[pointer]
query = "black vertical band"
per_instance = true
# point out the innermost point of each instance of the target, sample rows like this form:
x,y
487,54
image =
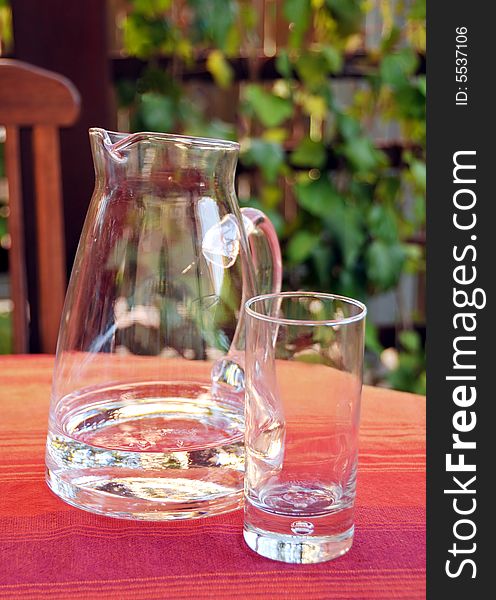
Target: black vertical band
x,y
461,203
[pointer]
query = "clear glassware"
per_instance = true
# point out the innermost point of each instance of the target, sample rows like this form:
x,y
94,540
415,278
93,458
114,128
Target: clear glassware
x,y
304,355
146,418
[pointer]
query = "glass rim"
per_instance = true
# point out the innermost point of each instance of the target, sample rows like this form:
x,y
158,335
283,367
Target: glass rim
x,y
306,322
124,138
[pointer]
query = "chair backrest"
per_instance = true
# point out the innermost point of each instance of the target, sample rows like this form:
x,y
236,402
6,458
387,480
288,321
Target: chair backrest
x,y
44,101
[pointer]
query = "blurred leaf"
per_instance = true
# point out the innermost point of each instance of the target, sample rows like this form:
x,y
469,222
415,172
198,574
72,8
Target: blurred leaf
x,y
372,342
220,69
314,67
419,209
126,92
349,127
154,79
349,284
151,8
334,58
418,171
271,195
384,263
298,13
410,340
312,105
268,156
318,197
248,14
409,375
321,199
362,154
347,14
301,245
397,68
145,37
283,64
422,84
418,10
5,333
3,227
213,20
184,49
388,189
233,41
309,154
382,223
415,258
389,42
270,110
276,134
323,259
411,103
6,34
347,229
157,112
212,129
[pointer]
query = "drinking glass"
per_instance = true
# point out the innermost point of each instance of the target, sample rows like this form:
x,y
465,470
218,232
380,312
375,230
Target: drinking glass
x,y
304,356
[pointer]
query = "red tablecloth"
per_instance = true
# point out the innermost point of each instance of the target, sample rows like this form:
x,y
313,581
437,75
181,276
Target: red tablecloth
x,y
51,550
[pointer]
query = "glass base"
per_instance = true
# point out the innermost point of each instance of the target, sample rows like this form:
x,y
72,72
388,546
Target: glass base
x,y
142,509
149,450
297,549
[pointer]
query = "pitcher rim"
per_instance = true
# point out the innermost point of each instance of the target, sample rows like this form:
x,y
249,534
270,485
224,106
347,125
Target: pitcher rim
x,y
211,143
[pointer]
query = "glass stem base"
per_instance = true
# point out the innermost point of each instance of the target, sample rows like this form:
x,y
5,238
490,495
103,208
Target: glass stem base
x,y
297,549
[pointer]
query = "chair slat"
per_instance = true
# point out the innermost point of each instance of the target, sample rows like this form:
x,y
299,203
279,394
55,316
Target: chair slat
x,y
50,236
17,262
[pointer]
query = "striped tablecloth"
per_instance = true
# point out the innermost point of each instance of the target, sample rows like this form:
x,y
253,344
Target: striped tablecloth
x,y
51,550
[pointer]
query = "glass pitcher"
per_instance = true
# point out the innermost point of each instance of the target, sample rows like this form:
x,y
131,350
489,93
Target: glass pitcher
x,y
146,416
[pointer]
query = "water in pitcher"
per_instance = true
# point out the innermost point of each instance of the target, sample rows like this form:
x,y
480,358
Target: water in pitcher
x,y
121,449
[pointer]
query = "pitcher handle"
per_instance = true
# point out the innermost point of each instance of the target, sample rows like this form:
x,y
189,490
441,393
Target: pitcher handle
x,y
259,227
228,372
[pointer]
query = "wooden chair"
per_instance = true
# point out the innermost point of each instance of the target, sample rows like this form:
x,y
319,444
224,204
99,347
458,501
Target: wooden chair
x,y
44,101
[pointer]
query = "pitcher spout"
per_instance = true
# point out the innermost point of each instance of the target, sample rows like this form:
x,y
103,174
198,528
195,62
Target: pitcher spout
x,y
162,156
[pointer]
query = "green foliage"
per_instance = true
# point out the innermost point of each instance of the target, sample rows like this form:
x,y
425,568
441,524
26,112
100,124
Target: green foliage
x,y
309,154
267,156
213,20
351,231
219,68
269,109
301,245
409,374
298,13
5,333
157,112
145,36
348,15
5,25
384,263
